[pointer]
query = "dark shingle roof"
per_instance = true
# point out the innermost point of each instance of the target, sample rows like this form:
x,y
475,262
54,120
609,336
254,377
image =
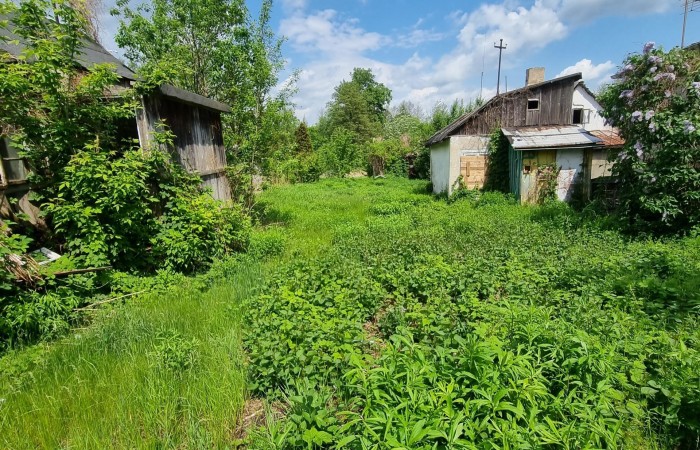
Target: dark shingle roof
x,y
92,53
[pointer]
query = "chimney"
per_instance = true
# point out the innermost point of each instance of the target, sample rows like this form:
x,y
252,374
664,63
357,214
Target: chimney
x,y
534,75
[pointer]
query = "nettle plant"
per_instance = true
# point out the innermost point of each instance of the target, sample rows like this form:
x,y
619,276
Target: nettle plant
x,y
655,103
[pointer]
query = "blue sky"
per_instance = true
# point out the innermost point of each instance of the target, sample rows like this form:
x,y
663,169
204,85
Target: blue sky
x,y
430,51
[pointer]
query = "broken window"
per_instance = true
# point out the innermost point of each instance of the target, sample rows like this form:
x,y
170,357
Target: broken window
x,y
13,169
533,104
578,116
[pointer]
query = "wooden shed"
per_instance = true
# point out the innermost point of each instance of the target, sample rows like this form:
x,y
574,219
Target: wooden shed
x,y
194,120
196,123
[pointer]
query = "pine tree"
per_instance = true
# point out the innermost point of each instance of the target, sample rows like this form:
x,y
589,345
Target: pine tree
x,y
303,140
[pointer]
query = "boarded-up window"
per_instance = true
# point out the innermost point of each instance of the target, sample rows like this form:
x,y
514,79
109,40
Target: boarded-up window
x,y
13,169
473,171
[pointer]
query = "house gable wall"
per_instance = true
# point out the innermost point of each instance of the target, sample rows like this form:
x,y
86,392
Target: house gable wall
x,y
511,110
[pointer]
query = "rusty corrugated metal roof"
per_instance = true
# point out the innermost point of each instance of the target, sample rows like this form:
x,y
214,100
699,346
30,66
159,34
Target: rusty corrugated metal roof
x,y
528,138
610,138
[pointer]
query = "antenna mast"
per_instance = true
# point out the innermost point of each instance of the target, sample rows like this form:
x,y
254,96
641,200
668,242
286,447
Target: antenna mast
x,y
500,48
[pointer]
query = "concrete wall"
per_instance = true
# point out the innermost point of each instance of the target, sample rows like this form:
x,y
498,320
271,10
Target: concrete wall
x,y
592,118
445,158
440,166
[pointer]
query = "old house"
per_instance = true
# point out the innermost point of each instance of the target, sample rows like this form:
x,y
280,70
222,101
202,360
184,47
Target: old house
x,y
552,126
194,120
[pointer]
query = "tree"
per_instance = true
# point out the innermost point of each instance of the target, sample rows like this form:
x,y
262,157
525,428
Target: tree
x,y
303,140
214,48
444,115
49,107
376,94
358,106
655,103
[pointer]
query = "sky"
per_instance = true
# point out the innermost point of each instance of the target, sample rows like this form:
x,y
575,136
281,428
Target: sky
x,y
436,51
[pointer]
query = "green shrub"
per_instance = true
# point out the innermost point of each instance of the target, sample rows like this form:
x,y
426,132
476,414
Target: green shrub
x,y
195,229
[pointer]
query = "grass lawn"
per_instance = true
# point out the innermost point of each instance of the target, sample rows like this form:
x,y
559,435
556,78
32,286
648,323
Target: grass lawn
x,y
370,315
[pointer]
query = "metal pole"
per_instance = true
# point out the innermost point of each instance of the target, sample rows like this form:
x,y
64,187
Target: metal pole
x,y
685,20
500,48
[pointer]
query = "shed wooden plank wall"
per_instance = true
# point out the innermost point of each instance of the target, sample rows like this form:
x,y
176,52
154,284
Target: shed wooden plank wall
x,y
198,142
511,110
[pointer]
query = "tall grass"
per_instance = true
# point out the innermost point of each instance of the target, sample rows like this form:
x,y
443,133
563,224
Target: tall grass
x,y
165,371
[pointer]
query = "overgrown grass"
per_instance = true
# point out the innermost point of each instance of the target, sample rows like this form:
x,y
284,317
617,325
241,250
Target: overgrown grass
x,y
164,371
370,315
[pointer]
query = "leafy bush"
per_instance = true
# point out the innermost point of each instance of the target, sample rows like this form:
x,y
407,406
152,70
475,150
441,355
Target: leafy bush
x,y
477,324
103,207
195,229
654,102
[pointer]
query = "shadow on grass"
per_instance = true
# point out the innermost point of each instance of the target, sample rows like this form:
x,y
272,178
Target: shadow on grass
x,y
266,214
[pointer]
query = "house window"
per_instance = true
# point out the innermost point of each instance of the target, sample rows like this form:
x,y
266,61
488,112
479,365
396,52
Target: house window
x,y
533,104
13,169
579,115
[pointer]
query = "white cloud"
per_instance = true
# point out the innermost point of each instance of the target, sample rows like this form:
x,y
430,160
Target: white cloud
x,y
521,28
417,37
293,5
333,45
325,32
593,74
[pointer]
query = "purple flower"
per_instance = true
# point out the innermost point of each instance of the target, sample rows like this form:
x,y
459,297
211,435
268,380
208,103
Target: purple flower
x,y
665,76
655,59
649,46
668,94
640,150
688,127
653,69
627,94
637,116
649,114
696,86
652,127
671,68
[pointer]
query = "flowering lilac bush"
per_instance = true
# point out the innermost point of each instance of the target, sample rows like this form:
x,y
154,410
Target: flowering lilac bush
x,y
655,103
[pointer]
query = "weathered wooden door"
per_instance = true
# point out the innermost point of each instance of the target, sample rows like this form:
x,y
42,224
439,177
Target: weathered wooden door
x,y
530,181
473,171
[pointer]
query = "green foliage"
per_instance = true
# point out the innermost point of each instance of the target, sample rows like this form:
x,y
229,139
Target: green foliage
x,y
196,229
443,115
303,140
51,108
214,48
341,154
498,168
654,102
547,176
103,206
10,244
435,328
106,208
106,202
359,106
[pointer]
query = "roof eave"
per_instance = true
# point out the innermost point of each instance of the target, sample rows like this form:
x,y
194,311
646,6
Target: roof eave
x,y
191,98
